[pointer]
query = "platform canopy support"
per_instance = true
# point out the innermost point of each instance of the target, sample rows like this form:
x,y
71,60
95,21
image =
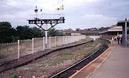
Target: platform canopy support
x,y
125,25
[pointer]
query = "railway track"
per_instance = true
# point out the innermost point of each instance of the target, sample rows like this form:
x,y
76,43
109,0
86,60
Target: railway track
x,y
14,63
78,65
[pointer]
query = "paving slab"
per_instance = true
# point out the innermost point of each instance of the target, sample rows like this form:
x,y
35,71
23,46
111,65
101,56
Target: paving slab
x,y
116,66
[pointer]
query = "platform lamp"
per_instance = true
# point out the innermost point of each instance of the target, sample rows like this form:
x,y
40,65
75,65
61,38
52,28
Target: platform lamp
x,y
40,22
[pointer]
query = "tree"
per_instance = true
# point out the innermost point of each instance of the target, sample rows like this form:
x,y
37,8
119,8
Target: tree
x,y
5,28
78,29
37,32
25,32
10,34
6,32
53,32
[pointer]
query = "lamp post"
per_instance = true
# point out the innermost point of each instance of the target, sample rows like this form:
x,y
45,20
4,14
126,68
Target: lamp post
x,y
41,22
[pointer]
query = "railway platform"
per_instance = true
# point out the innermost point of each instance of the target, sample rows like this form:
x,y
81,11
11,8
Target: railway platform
x,y
111,64
116,66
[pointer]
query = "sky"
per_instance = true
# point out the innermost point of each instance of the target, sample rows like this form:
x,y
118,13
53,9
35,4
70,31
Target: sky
x,y
78,13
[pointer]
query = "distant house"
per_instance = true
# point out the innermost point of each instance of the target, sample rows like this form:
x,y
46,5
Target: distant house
x,y
88,32
75,34
71,32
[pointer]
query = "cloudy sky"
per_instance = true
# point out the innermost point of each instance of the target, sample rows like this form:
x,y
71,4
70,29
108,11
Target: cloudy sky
x,y
78,13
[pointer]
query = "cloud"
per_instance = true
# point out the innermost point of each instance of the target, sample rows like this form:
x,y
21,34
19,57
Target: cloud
x,y
90,20
100,20
78,13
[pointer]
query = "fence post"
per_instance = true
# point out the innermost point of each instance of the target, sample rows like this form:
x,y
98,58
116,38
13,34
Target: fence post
x,y
32,45
55,42
18,54
33,77
58,40
46,39
62,40
48,42
43,43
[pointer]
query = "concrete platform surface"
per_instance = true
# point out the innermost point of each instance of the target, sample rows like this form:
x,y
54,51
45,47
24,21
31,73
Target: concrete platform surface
x,y
116,66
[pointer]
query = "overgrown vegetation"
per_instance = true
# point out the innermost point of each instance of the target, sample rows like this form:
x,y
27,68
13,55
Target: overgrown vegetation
x,y
10,34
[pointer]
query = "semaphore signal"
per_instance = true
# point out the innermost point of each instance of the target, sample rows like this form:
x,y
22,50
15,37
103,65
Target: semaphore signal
x,y
41,22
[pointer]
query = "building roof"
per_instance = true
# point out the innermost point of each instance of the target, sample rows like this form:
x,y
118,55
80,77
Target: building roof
x,y
116,28
122,23
113,29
